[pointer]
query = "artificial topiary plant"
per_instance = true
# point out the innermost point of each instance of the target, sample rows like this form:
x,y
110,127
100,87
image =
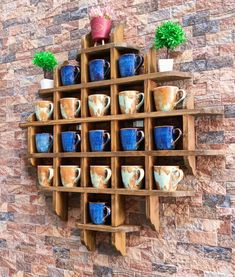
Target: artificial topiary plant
x,y
170,35
45,60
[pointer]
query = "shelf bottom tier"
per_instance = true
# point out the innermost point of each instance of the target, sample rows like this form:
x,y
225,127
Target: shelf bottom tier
x,y
108,228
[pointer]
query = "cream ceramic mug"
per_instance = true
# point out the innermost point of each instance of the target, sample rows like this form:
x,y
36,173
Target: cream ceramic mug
x,y
165,97
45,175
132,176
43,110
70,175
167,177
70,107
100,176
130,101
98,104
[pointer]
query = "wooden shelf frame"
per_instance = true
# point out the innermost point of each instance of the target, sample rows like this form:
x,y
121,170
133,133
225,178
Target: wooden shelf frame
x,y
147,155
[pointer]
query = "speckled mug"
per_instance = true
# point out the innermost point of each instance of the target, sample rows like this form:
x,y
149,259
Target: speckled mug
x,y
132,176
98,104
43,110
130,101
100,176
70,175
45,175
70,107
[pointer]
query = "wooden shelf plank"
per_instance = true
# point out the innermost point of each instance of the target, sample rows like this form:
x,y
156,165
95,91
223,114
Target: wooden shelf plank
x,y
197,112
154,153
108,228
156,76
107,47
121,191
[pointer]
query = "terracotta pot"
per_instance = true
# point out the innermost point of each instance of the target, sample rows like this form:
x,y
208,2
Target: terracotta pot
x,y
100,28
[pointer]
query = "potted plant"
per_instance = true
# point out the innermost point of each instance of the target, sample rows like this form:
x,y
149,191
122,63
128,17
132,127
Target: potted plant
x,y
101,22
46,61
168,35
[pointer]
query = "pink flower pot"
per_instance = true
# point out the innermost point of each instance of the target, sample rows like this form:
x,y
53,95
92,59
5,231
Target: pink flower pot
x,y
100,28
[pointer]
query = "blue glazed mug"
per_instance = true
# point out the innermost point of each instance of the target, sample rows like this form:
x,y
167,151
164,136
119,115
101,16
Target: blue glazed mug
x,y
70,141
69,74
164,137
98,139
44,142
131,138
99,69
98,212
129,64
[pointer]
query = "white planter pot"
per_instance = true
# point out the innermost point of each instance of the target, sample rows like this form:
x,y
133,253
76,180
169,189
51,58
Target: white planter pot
x,y
47,83
165,65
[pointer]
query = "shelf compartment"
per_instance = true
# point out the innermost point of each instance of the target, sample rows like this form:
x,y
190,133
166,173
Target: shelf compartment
x,y
110,229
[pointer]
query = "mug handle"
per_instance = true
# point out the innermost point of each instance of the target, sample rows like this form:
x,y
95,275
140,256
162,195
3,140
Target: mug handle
x,y
140,60
141,137
141,94
78,139
108,138
78,108
107,66
180,134
141,172
51,141
77,68
109,174
184,94
108,103
78,171
51,174
180,176
51,109
108,212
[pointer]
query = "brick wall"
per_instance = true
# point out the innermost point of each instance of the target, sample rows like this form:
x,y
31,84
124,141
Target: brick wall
x,y
197,235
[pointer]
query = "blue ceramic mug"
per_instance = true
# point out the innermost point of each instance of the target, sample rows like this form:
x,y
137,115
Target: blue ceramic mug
x,y
70,141
98,212
44,142
164,137
131,138
99,69
69,74
98,139
129,64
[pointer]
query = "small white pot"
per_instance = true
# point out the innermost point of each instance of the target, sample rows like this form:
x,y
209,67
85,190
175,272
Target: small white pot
x,y
47,83
165,65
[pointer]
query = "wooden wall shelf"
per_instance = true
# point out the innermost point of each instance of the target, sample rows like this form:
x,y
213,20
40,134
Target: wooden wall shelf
x,y
185,153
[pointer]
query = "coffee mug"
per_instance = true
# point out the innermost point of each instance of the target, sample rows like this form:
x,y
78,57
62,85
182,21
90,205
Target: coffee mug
x,y
98,104
129,64
70,175
132,176
99,69
70,107
43,110
45,175
130,101
165,97
98,212
44,142
167,177
164,137
100,176
131,138
69,74
70,141
98,139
